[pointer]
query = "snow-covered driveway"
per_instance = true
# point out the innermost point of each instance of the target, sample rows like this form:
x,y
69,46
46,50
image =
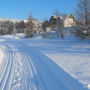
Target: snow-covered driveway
x,y
26,67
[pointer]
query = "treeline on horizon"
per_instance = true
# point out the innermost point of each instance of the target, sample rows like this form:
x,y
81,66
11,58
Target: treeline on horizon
x,y
81,29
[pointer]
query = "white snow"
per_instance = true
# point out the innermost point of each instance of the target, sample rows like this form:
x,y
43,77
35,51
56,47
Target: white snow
x,y
2,40
89,86
73,57
44,64
14,36
1,55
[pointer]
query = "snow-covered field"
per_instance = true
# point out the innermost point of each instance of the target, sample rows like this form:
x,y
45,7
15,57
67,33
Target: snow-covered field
x,y
44,64
1,55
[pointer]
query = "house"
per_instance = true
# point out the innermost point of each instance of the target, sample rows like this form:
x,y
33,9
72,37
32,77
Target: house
x,y
69,21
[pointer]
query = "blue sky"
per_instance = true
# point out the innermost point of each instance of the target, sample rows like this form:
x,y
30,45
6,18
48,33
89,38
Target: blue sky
x,y
41,9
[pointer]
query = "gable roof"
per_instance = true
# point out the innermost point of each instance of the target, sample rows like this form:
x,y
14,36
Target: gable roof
x,y
70,16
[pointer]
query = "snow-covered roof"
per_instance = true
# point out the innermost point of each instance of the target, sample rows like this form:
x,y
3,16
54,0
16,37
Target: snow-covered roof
x,y
7,19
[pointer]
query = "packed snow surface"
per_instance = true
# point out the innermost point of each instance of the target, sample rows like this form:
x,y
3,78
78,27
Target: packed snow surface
x,y
1,54
44,64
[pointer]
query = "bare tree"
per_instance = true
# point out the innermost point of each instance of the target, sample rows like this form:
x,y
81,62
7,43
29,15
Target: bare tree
x,y
45,24
60,27
30,26
57,22
20,26
6,27
83,17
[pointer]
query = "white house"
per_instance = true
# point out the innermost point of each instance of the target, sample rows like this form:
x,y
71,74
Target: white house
x,y
69,21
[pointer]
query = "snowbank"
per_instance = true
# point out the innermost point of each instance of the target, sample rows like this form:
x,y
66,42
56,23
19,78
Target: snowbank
x,y
15,36
74,57
89,86
1,55
2,40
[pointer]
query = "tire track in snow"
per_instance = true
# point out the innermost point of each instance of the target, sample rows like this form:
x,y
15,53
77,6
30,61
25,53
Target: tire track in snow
x,y
6,79
10,71
18,78
36,83
48,77
62,76
32,72
32,77
5,69
48,83
3,66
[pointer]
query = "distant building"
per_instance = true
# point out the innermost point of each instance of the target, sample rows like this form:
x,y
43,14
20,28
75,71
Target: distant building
x,y
55,17
11,20
69,21
7,25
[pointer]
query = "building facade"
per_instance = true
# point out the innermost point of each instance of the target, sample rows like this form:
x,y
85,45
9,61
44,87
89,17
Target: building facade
x,y
69,21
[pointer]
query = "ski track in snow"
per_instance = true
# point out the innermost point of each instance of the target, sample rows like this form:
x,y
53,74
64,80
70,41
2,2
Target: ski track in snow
x,y
26,68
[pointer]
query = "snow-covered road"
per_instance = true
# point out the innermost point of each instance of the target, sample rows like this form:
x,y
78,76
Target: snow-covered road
x,y
26,67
